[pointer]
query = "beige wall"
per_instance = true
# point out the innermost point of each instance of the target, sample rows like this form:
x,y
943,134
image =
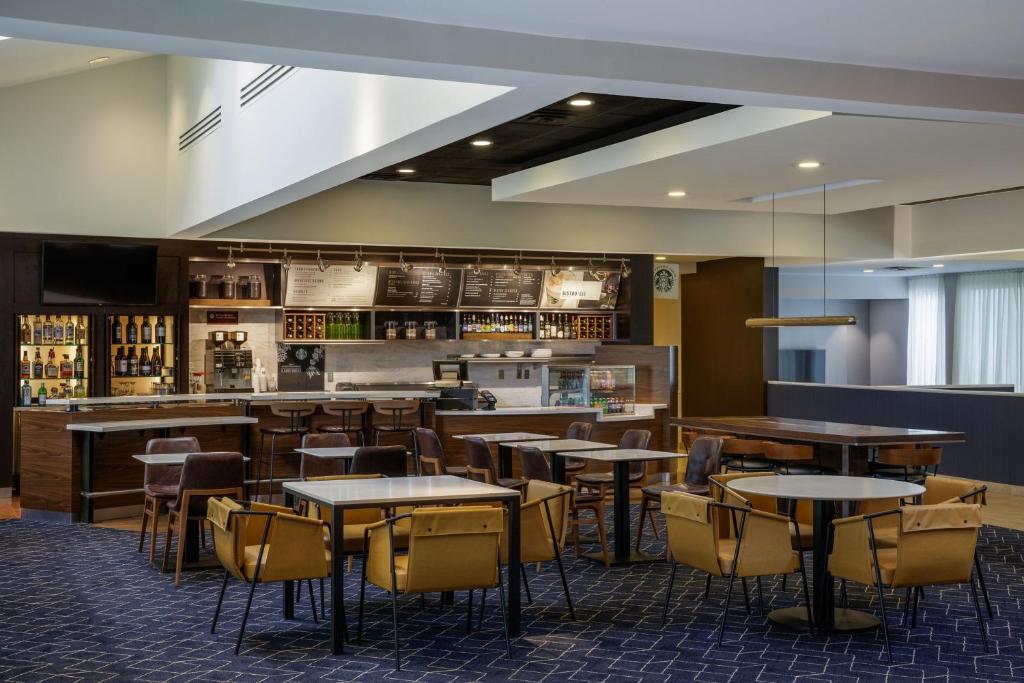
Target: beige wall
x,y
668,328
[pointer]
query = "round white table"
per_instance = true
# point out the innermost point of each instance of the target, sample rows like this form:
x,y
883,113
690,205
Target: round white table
x,y
825,491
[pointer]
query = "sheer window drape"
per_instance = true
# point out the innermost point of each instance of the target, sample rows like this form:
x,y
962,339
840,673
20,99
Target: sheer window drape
x,y
926,334
988,328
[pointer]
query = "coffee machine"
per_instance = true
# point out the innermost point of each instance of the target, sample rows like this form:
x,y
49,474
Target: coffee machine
x,y
228,366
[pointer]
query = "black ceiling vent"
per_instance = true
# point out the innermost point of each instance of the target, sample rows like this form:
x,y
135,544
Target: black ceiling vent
x,y
546,117
199,130
270,77
901,269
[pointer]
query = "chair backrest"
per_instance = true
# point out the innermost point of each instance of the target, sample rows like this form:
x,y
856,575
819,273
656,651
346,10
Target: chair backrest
x,y
640,439
174,444
314,466
352,515
326,440
452,549
743,447
691,525
936,544
910,457
397,407
389,461
688,438
223,472
427,449
535,464
479,461
940,488
345,409
558,505
703,461
721,492
293,409
579,430
787,452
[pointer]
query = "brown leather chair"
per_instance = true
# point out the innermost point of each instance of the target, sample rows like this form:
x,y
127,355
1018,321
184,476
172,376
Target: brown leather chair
x,y
602,481
535,464
581,431
160,485
353,418
745,455
481,465
298,415
703,461
430,456
397,418
203,476
387,461
313,466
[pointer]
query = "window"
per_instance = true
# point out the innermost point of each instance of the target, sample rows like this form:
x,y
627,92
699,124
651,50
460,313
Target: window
x,y
926,334
988,328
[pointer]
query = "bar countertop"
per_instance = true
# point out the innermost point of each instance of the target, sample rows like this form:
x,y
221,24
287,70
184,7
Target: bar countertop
x,y
644,411
265,397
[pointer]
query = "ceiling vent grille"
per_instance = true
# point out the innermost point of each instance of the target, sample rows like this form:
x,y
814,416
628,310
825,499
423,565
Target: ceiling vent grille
x,y
546,117
201,129
903,269
270,77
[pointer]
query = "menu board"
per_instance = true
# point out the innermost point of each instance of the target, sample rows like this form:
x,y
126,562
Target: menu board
x,y
300,367
339,286
577,289
502,288
422,287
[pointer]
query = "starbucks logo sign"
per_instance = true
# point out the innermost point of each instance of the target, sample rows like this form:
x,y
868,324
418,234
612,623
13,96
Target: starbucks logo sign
x,y
666,281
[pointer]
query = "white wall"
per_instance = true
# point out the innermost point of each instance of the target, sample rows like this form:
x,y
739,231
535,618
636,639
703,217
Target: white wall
x,y
847,355
85,153
972,225
888,342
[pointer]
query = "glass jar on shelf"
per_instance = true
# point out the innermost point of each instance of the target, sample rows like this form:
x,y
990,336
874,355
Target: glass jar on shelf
x,y
197,286
430,329
411,329
390,330
227,287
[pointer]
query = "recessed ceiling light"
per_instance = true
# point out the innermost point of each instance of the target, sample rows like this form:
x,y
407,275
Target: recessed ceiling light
x,y
581,102
809,164
661,258
869,270
938,265
407,170
5,37
481,143
676,193
99,60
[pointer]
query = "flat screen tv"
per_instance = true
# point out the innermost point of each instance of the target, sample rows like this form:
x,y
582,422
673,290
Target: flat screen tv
x,y
93,273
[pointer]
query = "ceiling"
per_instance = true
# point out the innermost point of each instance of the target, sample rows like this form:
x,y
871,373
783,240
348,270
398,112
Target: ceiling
x,y
928,35
24,61
913,160
552,132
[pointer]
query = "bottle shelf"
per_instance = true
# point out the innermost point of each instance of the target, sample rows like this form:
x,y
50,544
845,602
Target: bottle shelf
x,y
26,345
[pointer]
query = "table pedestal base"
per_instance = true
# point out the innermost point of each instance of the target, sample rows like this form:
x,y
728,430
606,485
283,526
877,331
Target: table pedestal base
x,y
845,620
632,558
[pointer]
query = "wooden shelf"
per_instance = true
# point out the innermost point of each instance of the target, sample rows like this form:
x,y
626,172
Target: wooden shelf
x,y
497,336
230,303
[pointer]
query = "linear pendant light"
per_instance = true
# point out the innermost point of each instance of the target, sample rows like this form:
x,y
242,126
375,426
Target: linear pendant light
x,y
823,320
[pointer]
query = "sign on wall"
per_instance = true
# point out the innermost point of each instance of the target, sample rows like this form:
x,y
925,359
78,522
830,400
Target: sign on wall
x,y
337,286
577,289
666,281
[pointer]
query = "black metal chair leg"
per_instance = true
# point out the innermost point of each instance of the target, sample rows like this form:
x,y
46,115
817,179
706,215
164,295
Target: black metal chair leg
x,y
259,467
906,607
668,593
469,612
220,600
844,598
504,614
784,582
483,603
807,595
312,602
913,616
977,610
362,600
725,608
526,584
323,613
881,603
394,625
746,595
270,476
707,587
760,597
245,617
981,582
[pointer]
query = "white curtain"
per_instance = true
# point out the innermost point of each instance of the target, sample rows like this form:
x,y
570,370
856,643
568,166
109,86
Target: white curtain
x,y
989,327
926,333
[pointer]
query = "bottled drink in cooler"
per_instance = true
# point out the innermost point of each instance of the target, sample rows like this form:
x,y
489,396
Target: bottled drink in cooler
x,y
116,331
51,365
147,330
79,364
58,331
122,362
132,363
70,334
37,366
161,330
26,366
132,331
26,394
157,361
37,331
145,367
42,395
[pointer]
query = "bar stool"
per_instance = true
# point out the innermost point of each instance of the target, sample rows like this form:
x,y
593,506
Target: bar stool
x,y
160,485
394,414
297,413
353,418
791,458
909,464
745,455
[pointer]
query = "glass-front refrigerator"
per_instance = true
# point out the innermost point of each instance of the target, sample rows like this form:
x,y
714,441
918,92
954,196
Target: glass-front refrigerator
x,y
612,388
142,354
53,357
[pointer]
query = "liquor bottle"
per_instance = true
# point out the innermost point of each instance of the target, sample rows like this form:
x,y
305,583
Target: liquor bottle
x,y
26,366
145,367
116,331
79,391
37,330
47,331
133,362
41,400
79,331
529,323
540,328
37,366
67,368
122,363
69,332
161,330
26,331
158,364
79,364
147,330
132,330
26,394
561,327
58,332
51,365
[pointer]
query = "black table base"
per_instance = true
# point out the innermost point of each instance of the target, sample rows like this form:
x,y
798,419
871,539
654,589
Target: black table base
x,y
843,620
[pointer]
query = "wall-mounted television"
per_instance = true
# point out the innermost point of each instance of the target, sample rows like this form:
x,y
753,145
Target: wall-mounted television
x,y
93,273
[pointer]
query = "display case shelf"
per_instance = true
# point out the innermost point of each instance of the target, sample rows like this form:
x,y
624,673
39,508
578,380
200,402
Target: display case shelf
x,y
610,388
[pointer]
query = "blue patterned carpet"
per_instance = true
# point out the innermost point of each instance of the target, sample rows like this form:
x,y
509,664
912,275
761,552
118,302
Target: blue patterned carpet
x,y
79,604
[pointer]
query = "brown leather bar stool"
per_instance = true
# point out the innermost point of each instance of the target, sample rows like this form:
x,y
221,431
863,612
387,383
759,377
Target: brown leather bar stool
x,y
702,461
481,465
791,458
581,431
160,484
394,415
745,455
906,463
387,461
430,456
602,481
353,418
297,414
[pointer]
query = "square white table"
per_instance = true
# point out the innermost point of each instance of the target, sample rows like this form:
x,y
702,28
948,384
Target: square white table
x,y
346,453
621,459
167,458
555,447
505,452
341,495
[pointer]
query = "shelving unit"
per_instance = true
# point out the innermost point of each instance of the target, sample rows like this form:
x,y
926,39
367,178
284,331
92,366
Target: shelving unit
x,y
122,380
69,376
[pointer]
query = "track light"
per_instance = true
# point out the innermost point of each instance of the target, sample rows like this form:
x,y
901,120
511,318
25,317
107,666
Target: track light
x,y
321,263
442,268
555,270
286,261
476,266
358,264
403,264
231,258
591,271
626,270
517,268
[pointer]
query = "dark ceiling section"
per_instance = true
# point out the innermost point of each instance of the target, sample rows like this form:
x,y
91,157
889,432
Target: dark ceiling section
x,y
557,131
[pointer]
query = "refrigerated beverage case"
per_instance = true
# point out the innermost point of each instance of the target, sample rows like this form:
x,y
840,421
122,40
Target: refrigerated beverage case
x,y
116,331
145,367
132,331
79,364
26,394
161,331
133,363
26,366
37,366
147,331
47,331
58,331
67,368
51,365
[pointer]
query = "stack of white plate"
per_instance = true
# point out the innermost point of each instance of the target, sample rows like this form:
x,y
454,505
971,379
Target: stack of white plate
x,y
490,355
515,354
540,353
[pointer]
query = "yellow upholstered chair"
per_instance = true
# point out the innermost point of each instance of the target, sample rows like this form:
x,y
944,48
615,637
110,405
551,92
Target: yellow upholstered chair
x,y
262,544
761,545
935,545
450,549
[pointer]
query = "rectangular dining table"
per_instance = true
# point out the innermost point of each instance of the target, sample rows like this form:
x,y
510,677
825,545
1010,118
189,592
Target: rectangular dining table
x,y
504,451
556,447
341,495
346,453
845,435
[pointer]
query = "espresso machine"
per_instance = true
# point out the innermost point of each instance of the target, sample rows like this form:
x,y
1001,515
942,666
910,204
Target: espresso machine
x,y
228,366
